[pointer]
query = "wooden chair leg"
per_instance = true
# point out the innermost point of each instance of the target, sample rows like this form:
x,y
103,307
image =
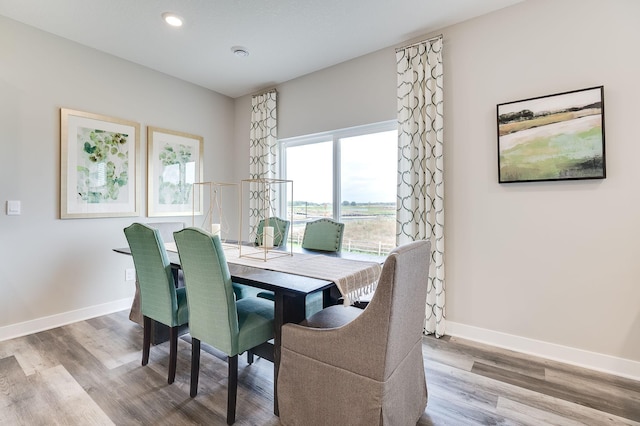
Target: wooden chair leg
x,y
249,357
146,340
232,389
173,353
195,366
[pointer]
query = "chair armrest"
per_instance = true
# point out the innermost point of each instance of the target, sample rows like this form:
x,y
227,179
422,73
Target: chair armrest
x,y
355,346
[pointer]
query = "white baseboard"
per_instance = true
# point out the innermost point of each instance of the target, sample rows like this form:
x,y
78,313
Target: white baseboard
x,y
53,321
579,357
592,360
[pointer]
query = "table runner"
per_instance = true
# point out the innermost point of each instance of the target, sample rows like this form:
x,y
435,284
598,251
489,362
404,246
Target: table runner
x,y
354,278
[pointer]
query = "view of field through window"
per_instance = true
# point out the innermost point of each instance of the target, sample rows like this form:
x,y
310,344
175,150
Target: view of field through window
x,y
366,189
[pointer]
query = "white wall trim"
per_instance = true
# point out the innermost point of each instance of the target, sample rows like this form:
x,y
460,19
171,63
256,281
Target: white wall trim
x,y
578,357
592,360
53,321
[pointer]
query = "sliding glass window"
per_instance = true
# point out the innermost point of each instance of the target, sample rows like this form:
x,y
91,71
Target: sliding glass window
x,y
349,175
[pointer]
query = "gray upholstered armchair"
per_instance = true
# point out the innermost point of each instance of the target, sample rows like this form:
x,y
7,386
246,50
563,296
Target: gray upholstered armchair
x,y
349,366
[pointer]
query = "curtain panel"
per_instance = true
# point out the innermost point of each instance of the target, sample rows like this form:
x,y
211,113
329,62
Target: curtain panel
x,y
420,201
263,149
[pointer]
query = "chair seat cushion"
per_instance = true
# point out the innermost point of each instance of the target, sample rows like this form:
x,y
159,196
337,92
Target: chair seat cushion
x,y
266,294
313,302
255,322
332,316
243,290
182,316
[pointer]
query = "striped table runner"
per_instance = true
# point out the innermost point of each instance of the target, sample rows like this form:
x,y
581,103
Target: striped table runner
x,y
354,278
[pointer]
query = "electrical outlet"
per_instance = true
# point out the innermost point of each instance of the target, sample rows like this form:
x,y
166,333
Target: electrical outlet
x,y
129,274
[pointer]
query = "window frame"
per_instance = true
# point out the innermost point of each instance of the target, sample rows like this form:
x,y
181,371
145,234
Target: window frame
x,y
333,136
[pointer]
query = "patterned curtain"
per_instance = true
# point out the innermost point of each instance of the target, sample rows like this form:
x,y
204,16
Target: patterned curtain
x,y
263,159
420,208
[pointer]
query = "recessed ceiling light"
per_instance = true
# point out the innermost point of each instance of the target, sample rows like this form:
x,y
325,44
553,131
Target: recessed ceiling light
x,y
240,51
172,19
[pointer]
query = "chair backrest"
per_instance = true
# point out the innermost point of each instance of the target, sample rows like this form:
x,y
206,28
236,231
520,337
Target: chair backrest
x,y
323,234
153,269
395,316
280,231
213,317
167,229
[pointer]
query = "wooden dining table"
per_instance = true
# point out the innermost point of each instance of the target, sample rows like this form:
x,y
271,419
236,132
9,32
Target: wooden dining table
x,y
290,291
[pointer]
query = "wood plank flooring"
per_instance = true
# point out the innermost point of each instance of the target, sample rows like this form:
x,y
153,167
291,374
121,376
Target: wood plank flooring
x,y
89,373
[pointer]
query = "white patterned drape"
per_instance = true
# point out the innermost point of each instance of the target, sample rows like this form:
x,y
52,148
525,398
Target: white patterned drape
x,y
420,208
263,149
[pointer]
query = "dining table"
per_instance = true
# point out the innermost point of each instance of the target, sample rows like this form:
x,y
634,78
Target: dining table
x,y
286,275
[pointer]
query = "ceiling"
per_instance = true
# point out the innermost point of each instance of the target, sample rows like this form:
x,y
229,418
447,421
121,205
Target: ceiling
x,y
285,38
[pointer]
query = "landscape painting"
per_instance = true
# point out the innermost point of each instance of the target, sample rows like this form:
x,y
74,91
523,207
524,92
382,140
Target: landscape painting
x,y
554,137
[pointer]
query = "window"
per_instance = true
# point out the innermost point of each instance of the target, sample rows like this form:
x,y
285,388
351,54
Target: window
x,y
349,175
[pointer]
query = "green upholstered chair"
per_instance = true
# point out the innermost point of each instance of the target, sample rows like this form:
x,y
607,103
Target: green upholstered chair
x,y
159,298
321,235
313,301
166,230
215,316
280,231
241,291
324,235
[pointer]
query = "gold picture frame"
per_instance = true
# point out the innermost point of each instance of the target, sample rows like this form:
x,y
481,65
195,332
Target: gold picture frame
x,y
99,166
174,163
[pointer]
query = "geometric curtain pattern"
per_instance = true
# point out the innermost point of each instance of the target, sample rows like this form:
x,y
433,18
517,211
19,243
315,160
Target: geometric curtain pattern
x,y
420,199
263,159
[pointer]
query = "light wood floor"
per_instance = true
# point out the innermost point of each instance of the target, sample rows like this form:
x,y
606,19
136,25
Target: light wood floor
x,y
89,373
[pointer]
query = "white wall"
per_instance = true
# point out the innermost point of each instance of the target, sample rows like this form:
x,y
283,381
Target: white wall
x,y
59,270
553,261
541,267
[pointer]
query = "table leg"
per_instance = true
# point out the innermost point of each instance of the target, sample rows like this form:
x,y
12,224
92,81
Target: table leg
x,y
287,309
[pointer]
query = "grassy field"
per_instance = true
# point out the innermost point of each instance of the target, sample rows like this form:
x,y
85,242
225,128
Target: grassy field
x,y
553,157
368,227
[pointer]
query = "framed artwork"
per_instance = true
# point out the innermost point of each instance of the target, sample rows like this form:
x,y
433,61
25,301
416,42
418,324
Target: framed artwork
x,y
174,165
554,137
99,166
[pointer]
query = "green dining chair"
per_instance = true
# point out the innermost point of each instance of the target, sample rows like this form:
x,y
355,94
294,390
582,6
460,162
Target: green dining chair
x,y
160,300
280,231
314,301
215,316
323,234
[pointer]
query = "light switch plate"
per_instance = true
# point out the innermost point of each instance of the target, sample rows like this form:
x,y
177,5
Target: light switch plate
x,y
13,208
129,274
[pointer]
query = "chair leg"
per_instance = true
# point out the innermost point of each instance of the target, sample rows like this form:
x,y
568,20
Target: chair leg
x,y
173,353
146,340
195,366
233,389
249,357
